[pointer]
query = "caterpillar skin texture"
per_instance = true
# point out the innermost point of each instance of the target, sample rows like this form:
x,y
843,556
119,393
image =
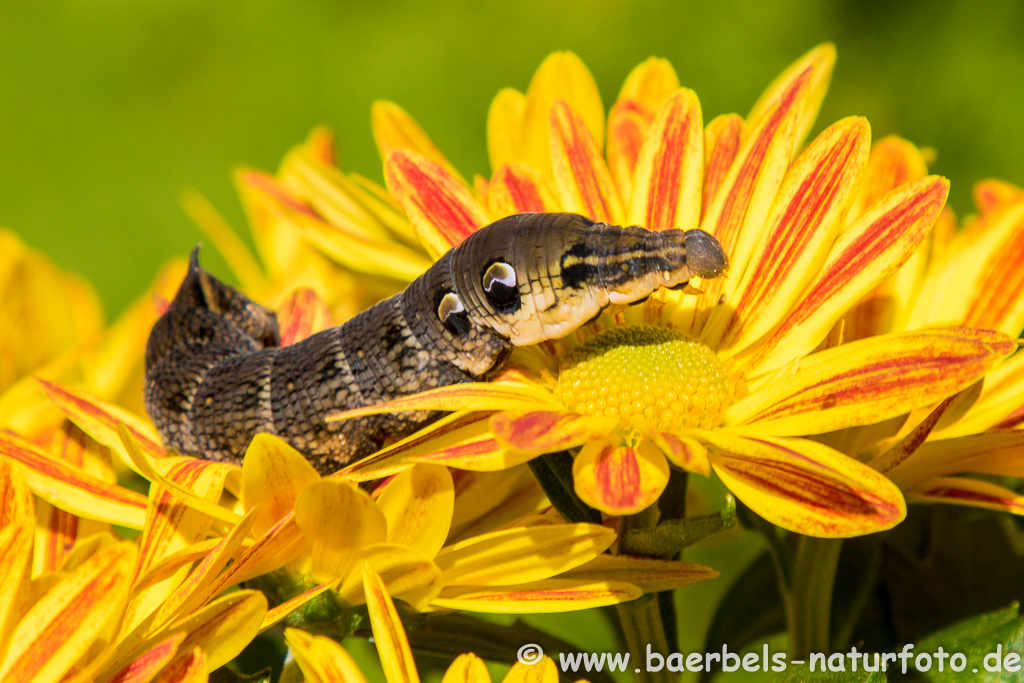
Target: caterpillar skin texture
x,y
216,374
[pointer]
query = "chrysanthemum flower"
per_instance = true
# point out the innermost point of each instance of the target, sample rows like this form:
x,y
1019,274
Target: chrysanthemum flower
x,y
730,380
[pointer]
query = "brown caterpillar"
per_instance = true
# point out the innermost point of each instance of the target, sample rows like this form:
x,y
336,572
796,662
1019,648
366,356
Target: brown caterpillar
x,y
216,375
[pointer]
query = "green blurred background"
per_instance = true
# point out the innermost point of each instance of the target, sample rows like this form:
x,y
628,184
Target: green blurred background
x,y
108,110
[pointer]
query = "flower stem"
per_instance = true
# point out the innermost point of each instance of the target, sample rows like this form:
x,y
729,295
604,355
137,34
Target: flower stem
x,y
809,598
641,618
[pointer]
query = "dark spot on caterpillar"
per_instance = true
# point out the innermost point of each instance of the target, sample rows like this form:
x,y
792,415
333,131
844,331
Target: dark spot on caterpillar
x,y
501,287
575,270
453,314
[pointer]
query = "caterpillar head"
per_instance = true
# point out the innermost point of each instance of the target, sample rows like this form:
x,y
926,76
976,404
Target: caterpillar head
x,y
534,277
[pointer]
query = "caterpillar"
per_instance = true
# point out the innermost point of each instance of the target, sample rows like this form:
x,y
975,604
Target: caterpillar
x,y
216,374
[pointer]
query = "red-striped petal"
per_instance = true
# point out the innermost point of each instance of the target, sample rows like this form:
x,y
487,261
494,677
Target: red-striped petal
x,y
443,211
581,175
669,171
518,188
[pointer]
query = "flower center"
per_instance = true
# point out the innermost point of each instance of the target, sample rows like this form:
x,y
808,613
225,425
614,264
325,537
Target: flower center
x,y
653,374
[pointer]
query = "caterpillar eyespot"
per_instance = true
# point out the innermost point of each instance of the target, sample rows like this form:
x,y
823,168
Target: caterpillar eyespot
x,y
501,287
216,375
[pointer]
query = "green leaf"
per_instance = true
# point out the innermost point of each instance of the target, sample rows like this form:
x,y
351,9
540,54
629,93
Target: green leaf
x,y
991,643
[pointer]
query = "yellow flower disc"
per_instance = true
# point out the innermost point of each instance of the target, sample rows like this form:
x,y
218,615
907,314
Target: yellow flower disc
x,y
652,374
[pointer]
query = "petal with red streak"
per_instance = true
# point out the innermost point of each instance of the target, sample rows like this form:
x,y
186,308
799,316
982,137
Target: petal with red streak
x,y
798,233
992,194
472,396
979,283
620,480
994,453
561,76
61,627
805,486
442,209
321,659
650,574
869,381
304,313
552,595
518,188
722,140
893,162
1000,403
820,61
646,87
72,489
870,251
670,168
393,129
581,176
737,215
388,633
144,667
545,431
969,492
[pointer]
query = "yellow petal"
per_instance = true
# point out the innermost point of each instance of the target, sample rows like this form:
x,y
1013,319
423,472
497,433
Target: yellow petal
x,y
820,61
561,76
581,176
224,627
803,223
867,253
869,381
992,194
418,506
505,128
620,480
72,489
543,671
59,629
441,208
805,486
408,574
667,181
471,396
273,476
321,659
171,525
388,634
337,520
893,162
522,554
468,668
552,595
687,454
394,129
650,574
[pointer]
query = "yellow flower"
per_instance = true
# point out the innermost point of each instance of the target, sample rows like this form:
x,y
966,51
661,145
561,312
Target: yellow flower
x,y
731,380
323,660
962,277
